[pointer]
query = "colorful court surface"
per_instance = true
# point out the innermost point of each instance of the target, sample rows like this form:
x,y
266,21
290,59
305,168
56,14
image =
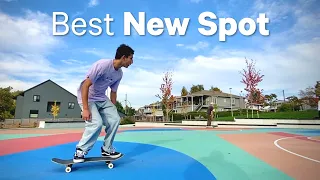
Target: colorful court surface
x,y
166,153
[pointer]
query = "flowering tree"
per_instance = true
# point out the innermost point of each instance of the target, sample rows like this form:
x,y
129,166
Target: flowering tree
x,y
165,90
55,110
251,78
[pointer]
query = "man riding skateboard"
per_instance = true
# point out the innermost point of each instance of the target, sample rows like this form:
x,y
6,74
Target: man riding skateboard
x,y
97,109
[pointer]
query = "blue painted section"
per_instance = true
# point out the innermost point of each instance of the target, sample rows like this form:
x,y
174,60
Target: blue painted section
x,y
141,161
307,132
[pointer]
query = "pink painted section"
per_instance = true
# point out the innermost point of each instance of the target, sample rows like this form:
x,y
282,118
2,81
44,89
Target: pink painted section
x,y
11,146
283,134
297,136
25,144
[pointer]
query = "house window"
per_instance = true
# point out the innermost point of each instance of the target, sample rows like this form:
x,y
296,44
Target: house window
x,y
36,98
50,104
34,113
71,105
215,100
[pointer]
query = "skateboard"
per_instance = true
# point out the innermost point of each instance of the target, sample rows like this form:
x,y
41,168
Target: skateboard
x,y
69,162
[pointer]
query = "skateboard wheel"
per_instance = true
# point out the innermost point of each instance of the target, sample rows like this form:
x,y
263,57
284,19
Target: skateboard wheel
x,y
68,169
110,165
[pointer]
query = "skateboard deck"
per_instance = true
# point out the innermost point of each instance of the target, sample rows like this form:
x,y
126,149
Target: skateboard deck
x,y
69,162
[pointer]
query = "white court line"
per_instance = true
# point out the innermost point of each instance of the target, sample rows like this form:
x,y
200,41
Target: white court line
x,y
276,143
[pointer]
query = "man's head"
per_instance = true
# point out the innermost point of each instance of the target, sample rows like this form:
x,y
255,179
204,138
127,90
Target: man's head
x,y
125,55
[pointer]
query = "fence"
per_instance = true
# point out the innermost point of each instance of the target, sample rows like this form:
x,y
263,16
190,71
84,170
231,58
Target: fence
x,y
31,123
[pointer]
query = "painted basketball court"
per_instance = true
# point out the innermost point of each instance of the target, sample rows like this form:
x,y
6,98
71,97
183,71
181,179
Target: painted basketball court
x,y
167,153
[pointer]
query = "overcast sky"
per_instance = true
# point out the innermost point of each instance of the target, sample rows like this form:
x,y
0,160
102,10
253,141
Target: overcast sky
x,y
288,57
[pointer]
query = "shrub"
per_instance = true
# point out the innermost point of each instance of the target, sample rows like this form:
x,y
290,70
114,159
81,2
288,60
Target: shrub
x,y
127,120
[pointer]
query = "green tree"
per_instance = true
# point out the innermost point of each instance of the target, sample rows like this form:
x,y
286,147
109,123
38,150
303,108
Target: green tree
x,y
184,91
317,89
309,96
196,88
295,103
7,104
130,111
216,89
270,99
119,107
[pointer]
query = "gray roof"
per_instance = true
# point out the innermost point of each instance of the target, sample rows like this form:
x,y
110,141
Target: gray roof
x,y
212,93
49,80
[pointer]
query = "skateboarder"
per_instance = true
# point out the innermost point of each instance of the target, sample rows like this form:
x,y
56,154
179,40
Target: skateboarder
x,y
97,108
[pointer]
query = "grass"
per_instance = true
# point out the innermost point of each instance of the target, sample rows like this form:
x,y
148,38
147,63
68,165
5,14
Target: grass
x,y
300,115
284,115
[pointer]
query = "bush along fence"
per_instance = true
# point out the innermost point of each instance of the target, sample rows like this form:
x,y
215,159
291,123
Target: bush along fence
x,y
242,114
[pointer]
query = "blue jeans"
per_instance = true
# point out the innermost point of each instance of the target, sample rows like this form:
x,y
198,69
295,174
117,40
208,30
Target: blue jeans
x,y
103,113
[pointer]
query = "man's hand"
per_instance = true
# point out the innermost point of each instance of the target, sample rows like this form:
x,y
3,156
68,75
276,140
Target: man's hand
x,y
86,115
113,97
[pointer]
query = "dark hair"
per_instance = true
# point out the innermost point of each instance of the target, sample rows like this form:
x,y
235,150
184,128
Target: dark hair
x,y
125,50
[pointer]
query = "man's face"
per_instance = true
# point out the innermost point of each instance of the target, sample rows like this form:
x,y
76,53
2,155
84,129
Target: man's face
x,y
128,61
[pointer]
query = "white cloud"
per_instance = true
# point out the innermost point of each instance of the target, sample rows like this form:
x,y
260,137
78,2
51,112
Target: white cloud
x,y
275,10
223,14
97,52
195,1
93,3
30,34
195,47
73,61
9,0
290,67
25,43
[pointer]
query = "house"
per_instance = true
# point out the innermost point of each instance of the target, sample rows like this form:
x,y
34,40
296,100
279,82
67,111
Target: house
x,y
152,112
37,101
200,101
193,102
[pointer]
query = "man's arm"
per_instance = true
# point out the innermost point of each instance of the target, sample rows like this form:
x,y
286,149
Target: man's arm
x,y
84,93
113,97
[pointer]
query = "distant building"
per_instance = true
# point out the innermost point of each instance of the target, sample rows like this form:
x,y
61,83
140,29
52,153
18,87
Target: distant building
x,y
200,101
37,101
193,102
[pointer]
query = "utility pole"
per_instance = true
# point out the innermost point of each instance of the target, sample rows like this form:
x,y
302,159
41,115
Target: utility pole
x,y
125,106
240,102
231,102
284,98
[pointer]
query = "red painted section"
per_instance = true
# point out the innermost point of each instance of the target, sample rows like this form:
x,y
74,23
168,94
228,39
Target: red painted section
x,y
11,146
297,136
283,134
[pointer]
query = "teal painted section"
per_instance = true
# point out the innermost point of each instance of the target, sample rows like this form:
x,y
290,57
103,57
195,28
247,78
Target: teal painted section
x,y
223,159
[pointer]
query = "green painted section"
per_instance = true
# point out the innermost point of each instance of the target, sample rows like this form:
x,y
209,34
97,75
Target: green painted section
x,y
16,136
223,159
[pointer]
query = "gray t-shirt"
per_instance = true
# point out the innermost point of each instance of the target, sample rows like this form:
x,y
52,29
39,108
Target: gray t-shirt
x,y
102,75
